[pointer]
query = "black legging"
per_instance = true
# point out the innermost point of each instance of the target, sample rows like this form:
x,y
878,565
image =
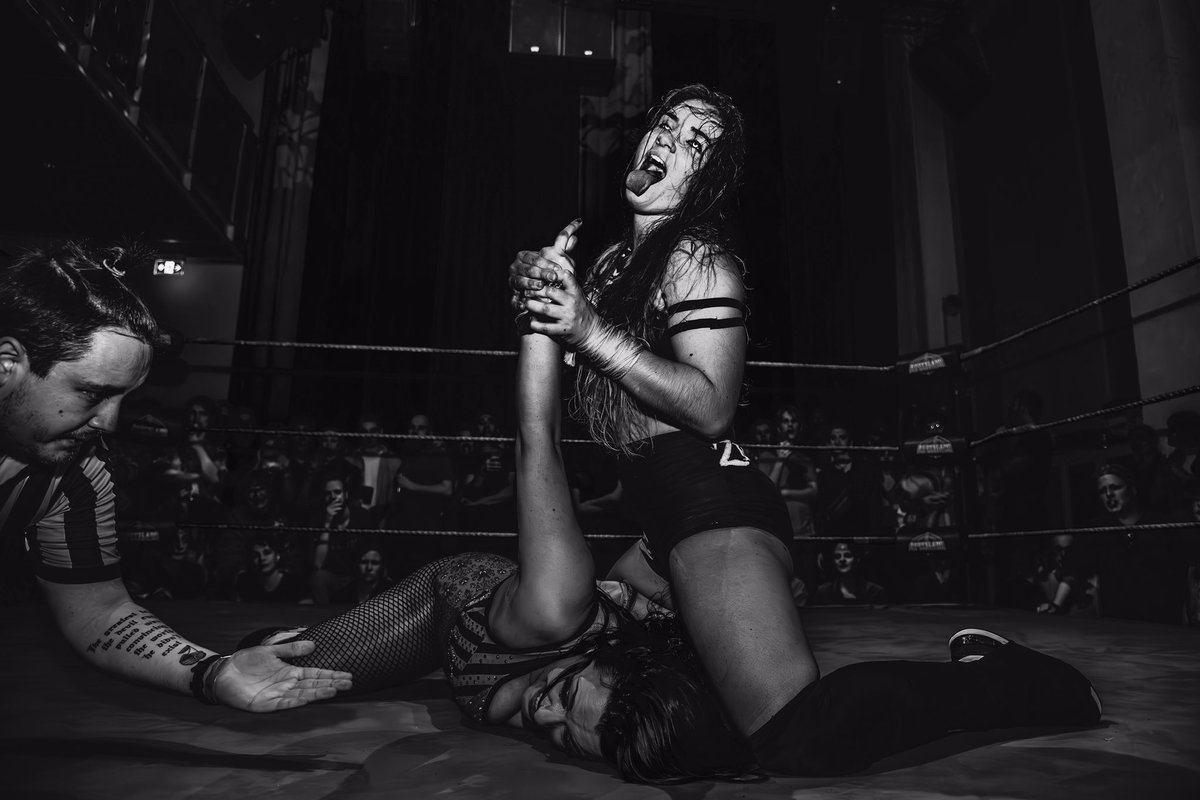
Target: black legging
x,y
863,712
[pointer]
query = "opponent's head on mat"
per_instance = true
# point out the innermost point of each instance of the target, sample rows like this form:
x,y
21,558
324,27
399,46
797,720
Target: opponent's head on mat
x,y
638,700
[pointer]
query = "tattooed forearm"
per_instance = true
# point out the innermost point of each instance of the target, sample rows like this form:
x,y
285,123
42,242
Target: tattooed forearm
x,y
140,633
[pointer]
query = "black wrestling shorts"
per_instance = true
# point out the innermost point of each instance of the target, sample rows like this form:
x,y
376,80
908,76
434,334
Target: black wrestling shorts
x,y
677,485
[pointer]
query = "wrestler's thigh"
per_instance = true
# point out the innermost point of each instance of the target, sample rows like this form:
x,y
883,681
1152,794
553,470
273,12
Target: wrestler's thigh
x,y
732,591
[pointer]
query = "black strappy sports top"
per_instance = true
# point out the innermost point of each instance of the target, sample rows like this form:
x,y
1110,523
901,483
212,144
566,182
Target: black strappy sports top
x,y
662,346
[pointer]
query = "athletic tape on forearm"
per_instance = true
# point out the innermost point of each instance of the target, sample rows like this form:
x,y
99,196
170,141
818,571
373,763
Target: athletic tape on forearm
x,y
611,351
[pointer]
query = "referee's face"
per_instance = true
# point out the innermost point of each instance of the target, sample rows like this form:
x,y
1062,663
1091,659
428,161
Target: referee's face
x,y
50,420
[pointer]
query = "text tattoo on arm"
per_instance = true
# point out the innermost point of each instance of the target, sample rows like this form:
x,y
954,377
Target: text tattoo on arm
x,y
140,633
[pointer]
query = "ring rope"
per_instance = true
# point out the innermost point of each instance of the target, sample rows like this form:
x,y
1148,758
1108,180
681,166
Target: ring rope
x,y
968,354
976,351
384,348
510,439
361,435
824,448
227,526
369,348
1139,528
830,367
1087,415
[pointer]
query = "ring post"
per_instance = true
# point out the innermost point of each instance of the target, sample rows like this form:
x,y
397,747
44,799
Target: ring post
x,y
933,424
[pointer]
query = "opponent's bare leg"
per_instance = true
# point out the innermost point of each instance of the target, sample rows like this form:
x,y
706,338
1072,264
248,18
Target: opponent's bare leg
x,y
733,594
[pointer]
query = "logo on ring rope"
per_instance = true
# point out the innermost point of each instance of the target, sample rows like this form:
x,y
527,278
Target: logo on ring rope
x,y
927,542
935,446
927,362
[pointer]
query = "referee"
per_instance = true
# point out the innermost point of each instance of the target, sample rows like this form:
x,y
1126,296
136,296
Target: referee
x,y
74,341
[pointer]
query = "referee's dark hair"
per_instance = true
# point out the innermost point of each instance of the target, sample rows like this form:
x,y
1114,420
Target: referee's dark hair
x,y
53,300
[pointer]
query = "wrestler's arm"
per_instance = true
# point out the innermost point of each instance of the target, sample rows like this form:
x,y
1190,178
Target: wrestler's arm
x,y
553,593
699,388
102,623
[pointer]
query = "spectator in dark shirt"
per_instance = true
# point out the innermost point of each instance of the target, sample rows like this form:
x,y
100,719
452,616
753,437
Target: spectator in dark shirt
x,y
1140,573
182,575
258,504
793,471
207,456
1183,436
847,583
375,463
1022,474
1151,472
1066,574
487,494
850,491
425,480
265,581
372,577
421,500
938,580
334,555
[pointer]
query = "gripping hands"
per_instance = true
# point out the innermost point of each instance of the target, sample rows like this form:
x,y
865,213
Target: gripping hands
x,y
546,293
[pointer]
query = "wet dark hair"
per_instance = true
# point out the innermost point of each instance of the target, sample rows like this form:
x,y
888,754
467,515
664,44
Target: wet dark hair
x,y
663,723
52,301
624,294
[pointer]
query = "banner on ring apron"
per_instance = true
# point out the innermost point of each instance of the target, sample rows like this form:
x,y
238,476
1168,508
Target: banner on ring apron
x,y
916,541
932,397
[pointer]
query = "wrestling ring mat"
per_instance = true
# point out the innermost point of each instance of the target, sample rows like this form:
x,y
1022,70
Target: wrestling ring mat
x,y
69,731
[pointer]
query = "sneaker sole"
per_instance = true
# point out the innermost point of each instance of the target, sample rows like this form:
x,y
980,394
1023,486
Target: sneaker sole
x,y
981,633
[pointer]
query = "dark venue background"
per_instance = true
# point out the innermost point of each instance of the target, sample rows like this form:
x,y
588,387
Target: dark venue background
x,y
921,172
428,182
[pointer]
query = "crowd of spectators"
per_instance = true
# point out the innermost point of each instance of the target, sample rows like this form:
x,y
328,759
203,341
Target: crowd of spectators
x,y
199,510
290,515
870,528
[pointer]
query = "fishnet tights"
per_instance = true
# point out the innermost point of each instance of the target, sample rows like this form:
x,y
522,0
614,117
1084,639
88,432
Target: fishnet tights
x,y
398,636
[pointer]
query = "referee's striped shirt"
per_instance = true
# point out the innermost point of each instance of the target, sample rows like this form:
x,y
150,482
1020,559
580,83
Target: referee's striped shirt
x,y
66,514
